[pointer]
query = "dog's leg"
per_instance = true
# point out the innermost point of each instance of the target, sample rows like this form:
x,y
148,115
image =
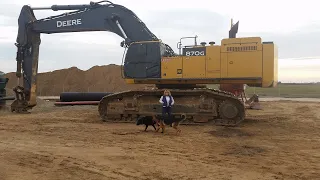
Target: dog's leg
x,y
175,126
178,130
158,128
154,127
163,127
146,128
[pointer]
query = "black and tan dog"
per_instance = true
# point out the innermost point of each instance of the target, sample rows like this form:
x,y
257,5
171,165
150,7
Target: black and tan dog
x,y
170,121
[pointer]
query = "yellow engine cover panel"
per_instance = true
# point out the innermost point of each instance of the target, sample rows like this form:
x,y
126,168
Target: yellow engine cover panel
x,y
194,67
241,57
244,64
171,67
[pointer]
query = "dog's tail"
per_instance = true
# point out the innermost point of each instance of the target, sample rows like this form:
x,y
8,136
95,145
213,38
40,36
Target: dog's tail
x,y
183,117
139,121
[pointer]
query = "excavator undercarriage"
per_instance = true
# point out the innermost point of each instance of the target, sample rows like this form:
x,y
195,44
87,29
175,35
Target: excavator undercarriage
x,y
201,105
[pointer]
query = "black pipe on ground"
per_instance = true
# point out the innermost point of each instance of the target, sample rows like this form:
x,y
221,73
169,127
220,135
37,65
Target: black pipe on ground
x,y
82,96
7,98
77,103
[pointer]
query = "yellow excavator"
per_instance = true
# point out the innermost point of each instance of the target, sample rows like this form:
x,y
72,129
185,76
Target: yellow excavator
x,y
147,60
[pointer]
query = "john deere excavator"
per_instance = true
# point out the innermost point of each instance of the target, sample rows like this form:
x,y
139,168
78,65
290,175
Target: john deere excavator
x,y
148,60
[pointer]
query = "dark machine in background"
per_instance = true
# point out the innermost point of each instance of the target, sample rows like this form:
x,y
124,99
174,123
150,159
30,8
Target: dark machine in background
x,y
3,92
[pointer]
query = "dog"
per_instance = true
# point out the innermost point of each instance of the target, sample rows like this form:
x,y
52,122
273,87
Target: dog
x,y
172,121
148,121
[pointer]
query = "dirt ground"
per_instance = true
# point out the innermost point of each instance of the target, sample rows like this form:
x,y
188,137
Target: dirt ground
x,y
280,142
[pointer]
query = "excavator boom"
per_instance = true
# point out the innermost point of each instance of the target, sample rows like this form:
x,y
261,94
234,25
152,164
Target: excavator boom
x,y
101,16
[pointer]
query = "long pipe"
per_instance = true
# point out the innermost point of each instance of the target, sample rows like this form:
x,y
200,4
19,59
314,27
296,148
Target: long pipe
x,y
76,103
7,98
82,96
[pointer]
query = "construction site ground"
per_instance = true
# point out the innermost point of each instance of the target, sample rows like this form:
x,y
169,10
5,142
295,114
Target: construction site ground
x,y
280,142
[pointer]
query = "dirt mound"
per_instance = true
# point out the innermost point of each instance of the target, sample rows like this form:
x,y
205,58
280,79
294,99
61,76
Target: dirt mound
x,y
96,79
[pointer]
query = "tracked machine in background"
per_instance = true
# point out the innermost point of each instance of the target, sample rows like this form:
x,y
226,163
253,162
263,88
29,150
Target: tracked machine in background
x,y
3,92
148,60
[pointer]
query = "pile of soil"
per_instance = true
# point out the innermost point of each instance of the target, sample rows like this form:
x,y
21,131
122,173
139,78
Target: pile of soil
x,y
96,79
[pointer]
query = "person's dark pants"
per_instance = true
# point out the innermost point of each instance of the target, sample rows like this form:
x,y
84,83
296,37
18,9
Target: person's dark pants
x,y
166,111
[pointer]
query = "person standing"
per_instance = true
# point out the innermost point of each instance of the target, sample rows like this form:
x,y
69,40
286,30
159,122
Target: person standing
x,y
167,101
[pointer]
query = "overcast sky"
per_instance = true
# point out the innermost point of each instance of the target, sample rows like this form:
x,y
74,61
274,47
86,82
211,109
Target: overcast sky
x,y
293,25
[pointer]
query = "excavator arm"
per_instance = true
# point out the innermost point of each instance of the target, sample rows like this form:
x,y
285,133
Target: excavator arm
x,y
96,16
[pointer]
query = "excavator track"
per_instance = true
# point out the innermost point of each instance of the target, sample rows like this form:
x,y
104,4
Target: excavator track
x,y
201,106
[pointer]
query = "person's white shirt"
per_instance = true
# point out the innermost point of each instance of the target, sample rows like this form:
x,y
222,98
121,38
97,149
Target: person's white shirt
x,y
167,99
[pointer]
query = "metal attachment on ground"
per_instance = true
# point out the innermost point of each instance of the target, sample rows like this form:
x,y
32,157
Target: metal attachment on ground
x,y
20,105
254,103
